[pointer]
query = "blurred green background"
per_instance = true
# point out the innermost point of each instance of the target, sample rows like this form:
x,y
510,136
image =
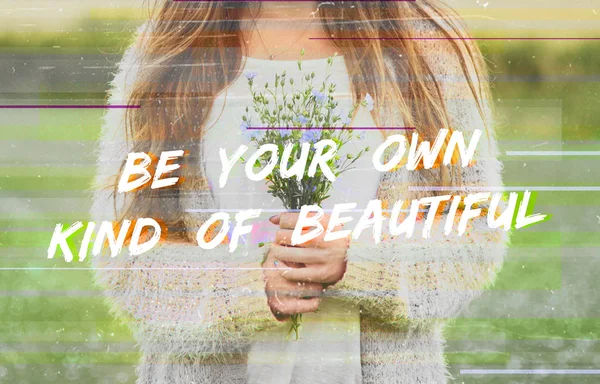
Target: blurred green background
x,y
542,313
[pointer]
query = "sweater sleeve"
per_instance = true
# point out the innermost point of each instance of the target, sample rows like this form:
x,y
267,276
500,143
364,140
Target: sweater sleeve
x,y
177,298
418,279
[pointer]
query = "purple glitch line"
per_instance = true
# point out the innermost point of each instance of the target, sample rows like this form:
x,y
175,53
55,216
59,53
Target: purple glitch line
x,y
333,128
459,38
49,106
289,1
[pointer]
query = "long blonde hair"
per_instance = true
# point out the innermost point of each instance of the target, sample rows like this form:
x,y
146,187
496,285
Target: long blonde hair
x,y
190,51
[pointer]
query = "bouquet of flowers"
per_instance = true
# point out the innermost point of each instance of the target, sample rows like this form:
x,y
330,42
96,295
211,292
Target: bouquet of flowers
x,y
295,114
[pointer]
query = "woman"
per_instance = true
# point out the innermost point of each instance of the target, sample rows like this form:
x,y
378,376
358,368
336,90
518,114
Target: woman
x,y
374,311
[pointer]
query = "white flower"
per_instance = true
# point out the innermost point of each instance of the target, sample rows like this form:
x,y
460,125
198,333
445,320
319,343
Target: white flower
x,y
369,102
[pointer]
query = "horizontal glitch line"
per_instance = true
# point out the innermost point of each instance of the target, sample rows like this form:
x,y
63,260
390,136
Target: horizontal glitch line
x,y
291,1
331,128
280,211
53,293
70,106
461,38
530,371
508,189
136,268
552,153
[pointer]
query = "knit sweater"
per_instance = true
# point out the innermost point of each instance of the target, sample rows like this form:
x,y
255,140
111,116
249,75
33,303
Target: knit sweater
x,y
194,313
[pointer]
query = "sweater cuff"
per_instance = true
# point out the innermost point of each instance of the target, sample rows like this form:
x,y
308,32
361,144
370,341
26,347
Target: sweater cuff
x,y
372,280
247,310
181,300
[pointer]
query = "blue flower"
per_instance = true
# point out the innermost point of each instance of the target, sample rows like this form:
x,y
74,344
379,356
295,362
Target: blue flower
x,y
319,96
284,132
344,118
370,103
302,119
249,134
250,75
311,136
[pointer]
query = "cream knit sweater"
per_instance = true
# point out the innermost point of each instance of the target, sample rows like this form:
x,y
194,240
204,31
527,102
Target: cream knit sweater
x,y
195,325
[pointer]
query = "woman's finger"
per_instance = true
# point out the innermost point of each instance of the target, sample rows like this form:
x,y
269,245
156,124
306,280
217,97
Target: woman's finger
x,y
293,306
284,237
303,293
282,287
317,273
273,262
299,255
288,220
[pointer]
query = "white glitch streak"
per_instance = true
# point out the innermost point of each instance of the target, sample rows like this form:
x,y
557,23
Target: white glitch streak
x,y
552,153
530,371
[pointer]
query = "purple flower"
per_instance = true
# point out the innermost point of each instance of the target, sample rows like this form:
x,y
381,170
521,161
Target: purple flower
x,y
284,132
311,136
319,96
250,75
370,103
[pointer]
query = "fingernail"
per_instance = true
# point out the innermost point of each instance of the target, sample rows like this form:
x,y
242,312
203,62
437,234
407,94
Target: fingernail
x,y
274,219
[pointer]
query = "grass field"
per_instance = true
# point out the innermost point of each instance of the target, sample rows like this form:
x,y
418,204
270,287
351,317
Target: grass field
x,y
542,313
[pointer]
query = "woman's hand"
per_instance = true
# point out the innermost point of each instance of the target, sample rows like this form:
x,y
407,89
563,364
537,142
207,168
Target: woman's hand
x,y
287,297
323,262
